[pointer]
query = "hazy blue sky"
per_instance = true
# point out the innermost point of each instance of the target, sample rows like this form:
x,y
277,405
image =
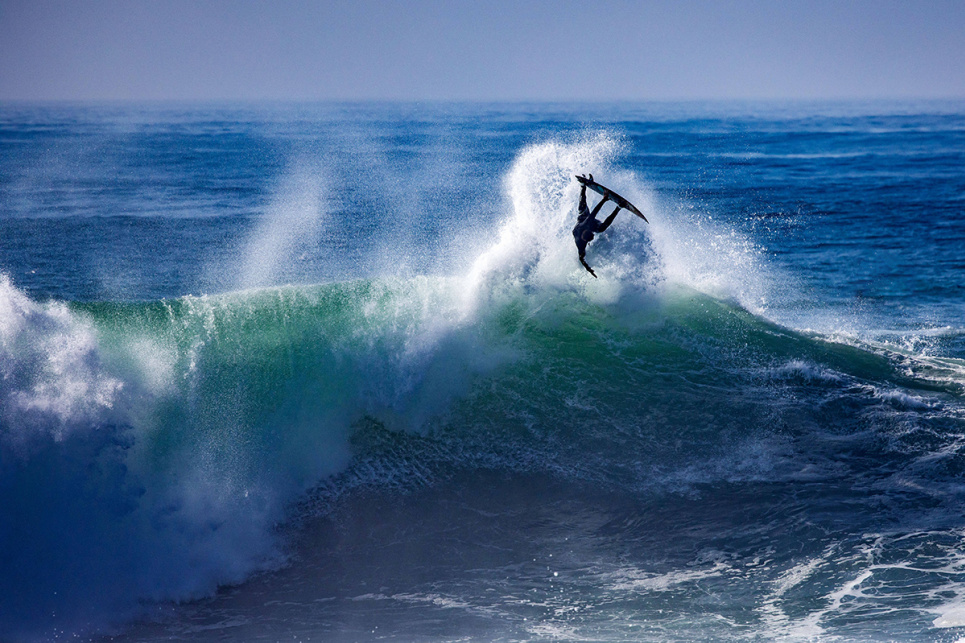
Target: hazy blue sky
x,y
487,49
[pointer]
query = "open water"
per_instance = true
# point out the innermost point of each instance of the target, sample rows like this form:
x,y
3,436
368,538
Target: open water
x,y
333,372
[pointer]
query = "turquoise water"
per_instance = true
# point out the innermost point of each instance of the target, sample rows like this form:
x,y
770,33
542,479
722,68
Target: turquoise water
x,y
334,373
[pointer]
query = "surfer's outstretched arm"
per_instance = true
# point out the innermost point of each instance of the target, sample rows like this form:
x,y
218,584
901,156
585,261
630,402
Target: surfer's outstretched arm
x,y
606,223
587,266
582,250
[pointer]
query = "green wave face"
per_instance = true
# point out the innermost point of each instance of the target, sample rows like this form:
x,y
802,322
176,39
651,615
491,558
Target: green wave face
x,y
185,432
270,384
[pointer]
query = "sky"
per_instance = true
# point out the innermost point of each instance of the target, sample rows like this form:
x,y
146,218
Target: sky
x,y
480,50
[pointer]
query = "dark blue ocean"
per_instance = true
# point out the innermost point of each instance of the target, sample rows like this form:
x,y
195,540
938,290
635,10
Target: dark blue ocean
x,y
334,373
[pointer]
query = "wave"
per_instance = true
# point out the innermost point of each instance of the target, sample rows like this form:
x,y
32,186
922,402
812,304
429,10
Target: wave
x,y
153,451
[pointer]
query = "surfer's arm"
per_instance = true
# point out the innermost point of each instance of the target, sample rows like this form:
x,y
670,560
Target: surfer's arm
x,y
587,266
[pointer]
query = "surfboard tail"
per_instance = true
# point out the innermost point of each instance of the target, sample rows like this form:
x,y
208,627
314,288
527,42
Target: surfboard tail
x,y
637,212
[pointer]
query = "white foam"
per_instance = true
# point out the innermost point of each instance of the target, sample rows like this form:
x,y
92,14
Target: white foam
x,y
808,371
679,247
696,252
53,381
904,400
950,614
636,581
535,244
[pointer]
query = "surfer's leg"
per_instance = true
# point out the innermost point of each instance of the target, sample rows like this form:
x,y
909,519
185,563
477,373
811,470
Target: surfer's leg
x,y
597,208
606,222
583,209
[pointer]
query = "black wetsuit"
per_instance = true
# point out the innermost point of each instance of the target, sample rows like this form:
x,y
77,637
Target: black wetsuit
x,y
587,225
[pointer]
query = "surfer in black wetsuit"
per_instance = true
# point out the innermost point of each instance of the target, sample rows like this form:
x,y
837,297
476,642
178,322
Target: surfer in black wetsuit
x,y
587,225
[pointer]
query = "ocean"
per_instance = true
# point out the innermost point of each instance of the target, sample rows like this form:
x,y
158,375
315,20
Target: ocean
x,y
333,372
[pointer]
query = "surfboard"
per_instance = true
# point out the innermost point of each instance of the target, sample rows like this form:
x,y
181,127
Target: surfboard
x,y
610,194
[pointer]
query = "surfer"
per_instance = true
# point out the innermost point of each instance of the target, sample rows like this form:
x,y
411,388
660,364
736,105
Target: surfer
x,y
587,224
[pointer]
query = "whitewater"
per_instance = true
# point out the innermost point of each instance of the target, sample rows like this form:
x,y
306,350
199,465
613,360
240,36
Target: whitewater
x,y
335,373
